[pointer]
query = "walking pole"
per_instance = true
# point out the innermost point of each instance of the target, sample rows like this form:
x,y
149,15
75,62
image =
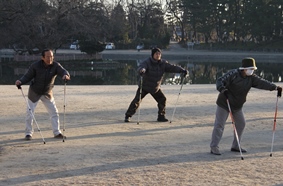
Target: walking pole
x,y
141,81
19,87
64,110
177,99
235,130
274,123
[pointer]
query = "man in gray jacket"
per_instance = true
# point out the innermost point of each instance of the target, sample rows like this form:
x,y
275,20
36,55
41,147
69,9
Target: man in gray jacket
x,y
42,75
152,71
234,86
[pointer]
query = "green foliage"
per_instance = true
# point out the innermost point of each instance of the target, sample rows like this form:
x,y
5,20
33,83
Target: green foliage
x,y
23,25
118,24
266,46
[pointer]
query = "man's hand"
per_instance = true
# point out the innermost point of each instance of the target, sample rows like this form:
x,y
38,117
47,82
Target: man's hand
x,y
66,78
225,92
18,83
185,72
142,71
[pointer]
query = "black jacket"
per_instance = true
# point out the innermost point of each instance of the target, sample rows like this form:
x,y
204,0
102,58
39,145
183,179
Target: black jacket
x,y
42,78
155,70
238,87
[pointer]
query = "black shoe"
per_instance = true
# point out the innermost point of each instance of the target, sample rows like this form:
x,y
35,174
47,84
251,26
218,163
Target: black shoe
x,y
127,119
28,137
60,136
162,118
237,150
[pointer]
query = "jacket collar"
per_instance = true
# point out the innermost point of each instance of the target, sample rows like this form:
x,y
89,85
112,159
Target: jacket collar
x,y
154,61
46,66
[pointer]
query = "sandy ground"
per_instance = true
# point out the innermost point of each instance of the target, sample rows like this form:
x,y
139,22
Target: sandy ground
x,y
101,149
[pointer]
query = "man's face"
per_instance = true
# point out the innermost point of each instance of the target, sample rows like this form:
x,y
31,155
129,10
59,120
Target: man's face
x,y
48,57
157,56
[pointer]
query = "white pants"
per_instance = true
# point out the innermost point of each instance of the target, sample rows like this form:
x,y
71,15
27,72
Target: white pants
x,y
52,111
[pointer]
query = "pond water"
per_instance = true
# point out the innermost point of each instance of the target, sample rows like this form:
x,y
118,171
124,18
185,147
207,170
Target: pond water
x,y
124,72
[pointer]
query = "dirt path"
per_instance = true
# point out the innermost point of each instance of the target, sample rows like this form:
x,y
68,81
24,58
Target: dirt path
x,y
101,149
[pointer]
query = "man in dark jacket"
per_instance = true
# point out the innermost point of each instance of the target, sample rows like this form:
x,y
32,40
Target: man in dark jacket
x,y
234,86
152,71
42,75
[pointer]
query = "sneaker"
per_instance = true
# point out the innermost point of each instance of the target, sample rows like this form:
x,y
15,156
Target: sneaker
x,y
215,150
60,136
162,118
28,137
127,119
238,150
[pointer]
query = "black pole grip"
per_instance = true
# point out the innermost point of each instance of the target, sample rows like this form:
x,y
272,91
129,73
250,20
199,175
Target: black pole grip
x,y
19,86
279,92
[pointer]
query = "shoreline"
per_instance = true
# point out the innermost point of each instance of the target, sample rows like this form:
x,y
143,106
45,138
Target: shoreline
x,y
193,55
173,53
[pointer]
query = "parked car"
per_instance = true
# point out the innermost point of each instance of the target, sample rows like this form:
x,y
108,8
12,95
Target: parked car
x,y
74,46
110,46
140,46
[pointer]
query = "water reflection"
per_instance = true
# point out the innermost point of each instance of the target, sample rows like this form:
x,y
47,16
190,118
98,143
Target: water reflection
x,y
124,72
207,73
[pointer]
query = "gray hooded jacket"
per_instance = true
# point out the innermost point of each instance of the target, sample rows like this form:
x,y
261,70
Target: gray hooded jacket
x,y
238,87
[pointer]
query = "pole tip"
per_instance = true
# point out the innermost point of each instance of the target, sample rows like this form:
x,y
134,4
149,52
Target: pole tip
x,y
270,155
242,158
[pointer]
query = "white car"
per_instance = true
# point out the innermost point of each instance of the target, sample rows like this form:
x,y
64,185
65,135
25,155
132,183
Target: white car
x,y
140,47
74,46
110,46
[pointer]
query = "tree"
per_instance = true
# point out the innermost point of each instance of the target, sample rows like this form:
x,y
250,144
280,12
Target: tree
x,y
24,23
203,17
176,9
118,25
151,23
133,20
91,46
38,24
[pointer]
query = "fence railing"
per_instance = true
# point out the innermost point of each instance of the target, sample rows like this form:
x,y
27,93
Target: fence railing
x,y
58,57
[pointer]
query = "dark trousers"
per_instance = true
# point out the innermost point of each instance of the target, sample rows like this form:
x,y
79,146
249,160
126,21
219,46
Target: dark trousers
x,y
158,96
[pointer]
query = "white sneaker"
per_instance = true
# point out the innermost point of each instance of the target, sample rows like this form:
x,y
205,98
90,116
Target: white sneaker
x,y
215,150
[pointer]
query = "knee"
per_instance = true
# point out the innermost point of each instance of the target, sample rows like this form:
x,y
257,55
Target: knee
x,y
54,115
219,126
241,127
